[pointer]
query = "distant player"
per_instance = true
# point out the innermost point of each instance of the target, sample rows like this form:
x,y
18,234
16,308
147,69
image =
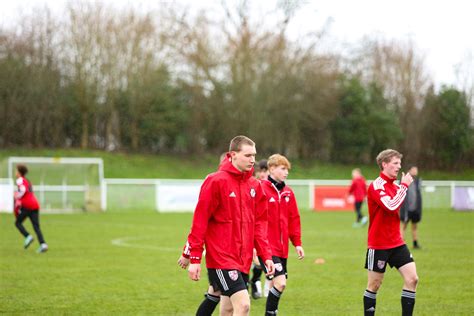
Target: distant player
x,y
26,205
261,173
230,220
385,243
411,208
283,225
358,190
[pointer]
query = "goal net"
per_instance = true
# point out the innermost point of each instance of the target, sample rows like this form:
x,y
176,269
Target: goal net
x,y
64,184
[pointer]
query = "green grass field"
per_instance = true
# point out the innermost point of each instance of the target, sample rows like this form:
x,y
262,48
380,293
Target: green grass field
x,y
125,263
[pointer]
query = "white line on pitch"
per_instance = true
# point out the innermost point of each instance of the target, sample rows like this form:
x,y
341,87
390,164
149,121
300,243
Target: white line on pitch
x,y
125,242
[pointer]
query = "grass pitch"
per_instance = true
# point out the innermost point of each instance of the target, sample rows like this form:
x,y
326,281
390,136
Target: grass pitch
x,y
125,263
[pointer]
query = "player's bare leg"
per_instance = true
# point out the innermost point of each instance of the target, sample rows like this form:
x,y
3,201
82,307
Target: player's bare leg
x,y
226,306
373,284
374,281
240,303
410,278
410,281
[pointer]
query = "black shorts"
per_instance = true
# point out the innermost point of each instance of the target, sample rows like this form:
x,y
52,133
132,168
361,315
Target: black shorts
x,y
413,217
227,282
280,267
376,260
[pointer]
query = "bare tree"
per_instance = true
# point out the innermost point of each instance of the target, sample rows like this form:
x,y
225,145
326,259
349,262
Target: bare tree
x,y
401,72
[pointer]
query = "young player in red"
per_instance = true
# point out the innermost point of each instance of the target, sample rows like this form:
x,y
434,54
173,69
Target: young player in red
x,y
261,173
26,205
358,190
283,225
230,220
385,243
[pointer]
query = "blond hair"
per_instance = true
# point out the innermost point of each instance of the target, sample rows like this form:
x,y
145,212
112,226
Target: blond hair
x,y
386,156
278,160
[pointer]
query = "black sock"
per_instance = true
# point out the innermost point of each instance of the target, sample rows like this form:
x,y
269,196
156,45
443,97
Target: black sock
x,y
369,303
272,301
257,273
208,306
408,302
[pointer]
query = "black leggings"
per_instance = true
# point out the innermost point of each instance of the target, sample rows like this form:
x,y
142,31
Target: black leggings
x,y
34,218
358,206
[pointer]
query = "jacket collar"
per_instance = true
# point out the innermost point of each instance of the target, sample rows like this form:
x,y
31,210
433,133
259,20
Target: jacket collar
x,y
278,185
383,176
227,166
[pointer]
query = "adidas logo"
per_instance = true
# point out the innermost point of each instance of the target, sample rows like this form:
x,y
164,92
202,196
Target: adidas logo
x,y
232,194
372,309
271,199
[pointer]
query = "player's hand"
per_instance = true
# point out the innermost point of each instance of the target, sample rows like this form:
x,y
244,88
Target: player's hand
x,y
270,267
255,258
183,262
300,252
407,179
194,271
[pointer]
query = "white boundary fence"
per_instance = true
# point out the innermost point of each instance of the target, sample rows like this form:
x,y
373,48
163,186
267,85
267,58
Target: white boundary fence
x,y
180,195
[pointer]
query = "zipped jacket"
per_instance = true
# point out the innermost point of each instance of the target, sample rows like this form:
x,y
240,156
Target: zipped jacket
x,y
230,219
358,189
284,222
25,195
384,200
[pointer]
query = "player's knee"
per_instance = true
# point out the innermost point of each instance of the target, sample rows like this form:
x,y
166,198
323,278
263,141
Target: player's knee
x,y
242,307
374,285
280,286
226,309
412,281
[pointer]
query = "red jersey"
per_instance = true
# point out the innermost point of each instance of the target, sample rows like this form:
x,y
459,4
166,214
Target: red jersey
x,y
384,200
25,194
358,189
230,219
283,219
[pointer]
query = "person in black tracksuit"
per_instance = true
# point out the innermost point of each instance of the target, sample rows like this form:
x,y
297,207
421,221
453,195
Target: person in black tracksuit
x,y
411,208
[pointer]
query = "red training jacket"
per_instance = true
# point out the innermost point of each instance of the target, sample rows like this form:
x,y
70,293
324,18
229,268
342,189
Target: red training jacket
x,y
25,194
283,219
230,219
358,189
384,200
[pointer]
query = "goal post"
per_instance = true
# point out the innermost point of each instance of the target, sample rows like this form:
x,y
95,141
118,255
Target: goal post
x,y
65,184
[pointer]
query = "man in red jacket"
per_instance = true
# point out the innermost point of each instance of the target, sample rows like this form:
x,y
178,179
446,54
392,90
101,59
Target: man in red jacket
x,y
358,190
230,219
283,225
26,205
385,243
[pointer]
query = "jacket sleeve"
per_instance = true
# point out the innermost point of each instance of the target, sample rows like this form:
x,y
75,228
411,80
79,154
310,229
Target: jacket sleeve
x,y
294,222
352,187
385,201
21,188
261,226
207,203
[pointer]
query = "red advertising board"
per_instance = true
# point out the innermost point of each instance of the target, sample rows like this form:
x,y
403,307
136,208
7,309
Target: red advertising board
x,y
332,198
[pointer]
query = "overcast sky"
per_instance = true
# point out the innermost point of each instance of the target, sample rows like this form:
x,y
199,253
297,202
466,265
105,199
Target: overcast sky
x,y
442,30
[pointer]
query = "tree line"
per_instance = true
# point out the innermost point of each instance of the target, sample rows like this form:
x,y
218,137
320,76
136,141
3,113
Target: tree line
x,y
168,81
